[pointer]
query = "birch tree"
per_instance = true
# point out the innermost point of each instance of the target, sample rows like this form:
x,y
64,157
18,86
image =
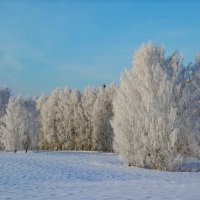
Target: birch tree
x,y
87,101
21,125
101,116
48,138
155,110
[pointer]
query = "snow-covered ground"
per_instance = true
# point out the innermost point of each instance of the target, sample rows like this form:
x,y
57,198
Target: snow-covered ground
x,y
85,175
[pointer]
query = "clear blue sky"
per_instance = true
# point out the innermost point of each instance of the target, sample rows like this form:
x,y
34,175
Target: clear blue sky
x,y
48,44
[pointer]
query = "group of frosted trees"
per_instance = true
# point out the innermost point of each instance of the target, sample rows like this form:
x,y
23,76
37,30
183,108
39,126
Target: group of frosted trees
x,y
66,120
19,125
152,119
71,120
157,110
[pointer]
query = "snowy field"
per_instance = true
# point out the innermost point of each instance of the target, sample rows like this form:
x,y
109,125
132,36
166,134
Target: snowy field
x,y
84,175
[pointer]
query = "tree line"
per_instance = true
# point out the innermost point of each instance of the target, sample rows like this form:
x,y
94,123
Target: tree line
x,y
151,119
65,120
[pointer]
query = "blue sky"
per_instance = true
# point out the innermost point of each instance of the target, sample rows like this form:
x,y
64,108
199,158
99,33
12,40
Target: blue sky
x,y
48,44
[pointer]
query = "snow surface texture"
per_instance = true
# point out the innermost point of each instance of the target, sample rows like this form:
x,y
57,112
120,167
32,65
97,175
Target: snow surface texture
x,y
88,175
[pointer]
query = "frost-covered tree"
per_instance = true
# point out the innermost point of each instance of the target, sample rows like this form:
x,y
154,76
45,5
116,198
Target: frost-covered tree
x,y
87,101
61,120
21,125
11,126
155,110
62,116
30,124
187,90
69,119
48,113
102,136
76,119
4,98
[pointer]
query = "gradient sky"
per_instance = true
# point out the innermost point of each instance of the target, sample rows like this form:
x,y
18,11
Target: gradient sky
x,y
48,44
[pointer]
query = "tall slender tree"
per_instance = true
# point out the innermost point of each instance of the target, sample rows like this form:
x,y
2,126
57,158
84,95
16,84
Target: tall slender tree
x,y
102,114
48,138
87,101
